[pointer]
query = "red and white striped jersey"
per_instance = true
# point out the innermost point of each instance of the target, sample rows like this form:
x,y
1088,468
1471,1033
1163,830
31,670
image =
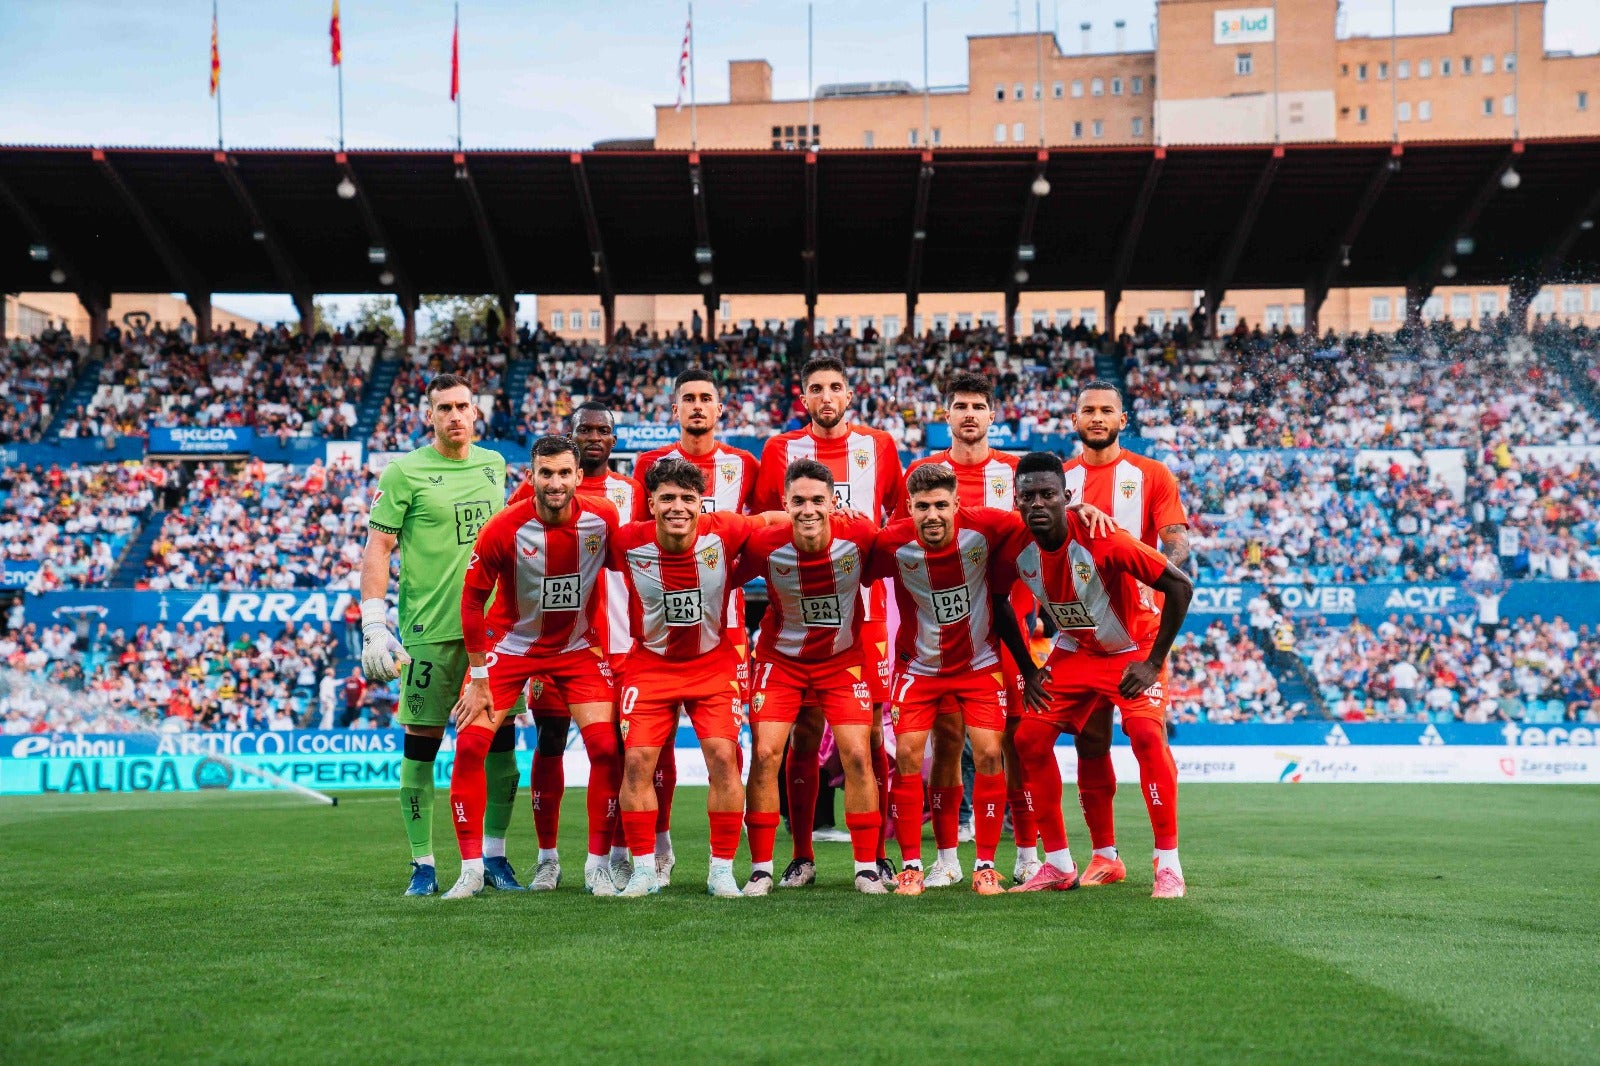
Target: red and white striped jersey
x,y
813,598
986,484
625,494
677,601
542,577
730,475
946,626
1140,494
1093,589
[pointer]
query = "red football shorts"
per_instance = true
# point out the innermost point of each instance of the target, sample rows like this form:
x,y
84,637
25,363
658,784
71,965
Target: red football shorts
x,y
876,658
652,691
545,701
554,682
1079,684
780,686
979,696
1013,683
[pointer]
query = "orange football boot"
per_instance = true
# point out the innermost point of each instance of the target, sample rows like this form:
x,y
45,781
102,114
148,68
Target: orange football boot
x,y
908,882
986,882
1103,871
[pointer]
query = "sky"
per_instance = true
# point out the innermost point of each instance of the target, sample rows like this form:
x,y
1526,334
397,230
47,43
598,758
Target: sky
x,y
534,75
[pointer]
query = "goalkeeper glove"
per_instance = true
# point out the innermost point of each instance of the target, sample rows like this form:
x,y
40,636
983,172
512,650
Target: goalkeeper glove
x,y
381,654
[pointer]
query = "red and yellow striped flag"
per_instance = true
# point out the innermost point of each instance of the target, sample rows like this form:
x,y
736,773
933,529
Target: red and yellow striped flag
x,y
216,57
336,43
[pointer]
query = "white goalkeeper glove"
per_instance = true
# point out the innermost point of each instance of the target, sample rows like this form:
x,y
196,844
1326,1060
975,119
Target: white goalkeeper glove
x,y
381,654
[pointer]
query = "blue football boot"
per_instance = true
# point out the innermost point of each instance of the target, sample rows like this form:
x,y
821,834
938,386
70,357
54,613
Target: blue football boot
x,y
498,874
424,882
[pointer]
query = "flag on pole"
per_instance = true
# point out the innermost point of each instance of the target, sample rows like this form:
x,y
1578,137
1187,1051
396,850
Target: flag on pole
x,y
216,57
335,42
455,59
683,63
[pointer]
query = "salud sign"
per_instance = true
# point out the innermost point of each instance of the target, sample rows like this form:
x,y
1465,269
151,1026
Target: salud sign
x,y
1245,25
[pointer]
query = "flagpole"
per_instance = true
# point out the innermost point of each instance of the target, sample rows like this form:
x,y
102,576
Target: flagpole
x,y
457,60
926,134
694,129
810,116
341,103
215,47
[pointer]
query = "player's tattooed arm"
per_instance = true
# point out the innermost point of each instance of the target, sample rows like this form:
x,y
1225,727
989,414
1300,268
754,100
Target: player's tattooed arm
x,y
1176,590
1010,634
1175,544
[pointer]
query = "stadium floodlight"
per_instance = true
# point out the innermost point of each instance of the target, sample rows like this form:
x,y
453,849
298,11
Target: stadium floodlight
x,y
1041,187
57,276
702,255
39,253
1586,224
258,234
1448,270
386,278
346,188
1465,245
1021,276
1510,179
705,277
1344,255
1024,253
377,254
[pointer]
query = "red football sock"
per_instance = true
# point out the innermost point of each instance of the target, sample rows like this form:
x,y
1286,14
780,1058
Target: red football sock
x,y
1041,775
905,806
1158,777
469,790
762,828
640,829
946,816
864,835
988,813
802,773
549,782
666,783
725,833
1097,786
880,770
605,781
1024,830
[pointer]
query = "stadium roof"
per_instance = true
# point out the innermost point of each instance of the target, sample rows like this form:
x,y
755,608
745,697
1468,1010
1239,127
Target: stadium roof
x,y
197,221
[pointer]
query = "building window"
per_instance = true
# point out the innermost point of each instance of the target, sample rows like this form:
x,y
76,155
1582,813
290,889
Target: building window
x,y
1488,303
1379,311
1273,316
1361,72
964,319
1461,306
1594,299
1344,70
1361,113
912,136
1077,129
1116,86
1403,111
1433,308
1297,112
1016,91
1243,63
1488,106
1444,68
1138,126
725,309
776,145
999,133
1488,65
1097,87
1424,110
1583,100
1509,63
1000,93
941,323
575,321
1058,90
1099,128
1090,316
596,320
1137,88
1424,68
1508,105
558,321
1063,319
1077,89
1466,65
1157,320
1572,301
935,136
1544,303
777,131
891,325
916,325
1036,90
1227,317
991,319
1402,69
1297,316
866,139
1383,72
1017,131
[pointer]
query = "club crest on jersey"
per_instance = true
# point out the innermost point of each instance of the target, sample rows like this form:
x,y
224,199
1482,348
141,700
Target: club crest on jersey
x,y
488,473
975,555
727,471
861,458
620,498
1127,488
1082,571
536,689
997,486
710,556
591,544
847,562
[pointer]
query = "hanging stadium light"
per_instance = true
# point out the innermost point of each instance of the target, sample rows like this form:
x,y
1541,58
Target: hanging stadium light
x,y
377,254
1448,270
705,277
1510,179
346,188
386,278
57,276
1465,245
1041,186
39,253
1021,276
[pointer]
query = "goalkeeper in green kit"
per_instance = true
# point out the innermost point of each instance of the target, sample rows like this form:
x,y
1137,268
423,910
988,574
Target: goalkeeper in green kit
x,y
430,504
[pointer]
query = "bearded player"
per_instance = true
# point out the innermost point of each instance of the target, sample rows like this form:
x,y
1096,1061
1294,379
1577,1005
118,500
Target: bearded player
x,y
594,430
678,568
730,479
540,560
431,504
865,464
1141,494
809,654
1110,647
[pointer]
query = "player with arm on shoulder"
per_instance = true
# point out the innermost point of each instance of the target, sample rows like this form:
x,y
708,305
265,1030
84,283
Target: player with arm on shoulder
x,y
1111,646
809,654
540,560
679,568
594,430
430,505
730,482
1141,495
865,464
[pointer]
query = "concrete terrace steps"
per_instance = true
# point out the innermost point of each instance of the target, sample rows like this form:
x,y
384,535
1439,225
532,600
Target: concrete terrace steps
x,y
384,371
131,566
82,391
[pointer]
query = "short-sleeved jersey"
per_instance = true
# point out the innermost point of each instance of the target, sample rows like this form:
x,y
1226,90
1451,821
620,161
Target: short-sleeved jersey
x,y
543,578
986,484
730,475
946,625
1095,590
813,598
677,600
1140,494
436,507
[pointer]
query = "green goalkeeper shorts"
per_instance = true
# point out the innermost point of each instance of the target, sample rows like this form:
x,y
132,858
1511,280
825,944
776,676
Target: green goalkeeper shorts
x,y
431,683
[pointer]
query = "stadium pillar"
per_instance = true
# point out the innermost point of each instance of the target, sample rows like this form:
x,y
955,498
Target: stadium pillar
x,y
200,304
99,308
711,316
2,318
1312,302
306,304
1011,318
1416,296
1523,291
608,304
811,325
508,320
1213,302
408,319
1113,298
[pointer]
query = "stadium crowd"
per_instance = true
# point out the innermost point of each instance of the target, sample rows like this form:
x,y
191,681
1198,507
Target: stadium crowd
x,y
69,526
37,374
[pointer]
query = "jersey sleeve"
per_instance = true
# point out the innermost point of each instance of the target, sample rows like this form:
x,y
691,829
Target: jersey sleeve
x,y
524,492
392,502
880,563
1122,552
1165,506
752,473
902,509
1001,529
734,529
642,465
892,482
769,476
752,559
641,506
477,585
864,534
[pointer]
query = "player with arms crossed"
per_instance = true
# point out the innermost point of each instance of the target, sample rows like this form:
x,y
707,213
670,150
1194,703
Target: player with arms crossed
x,y
595,432
541,561
431,503
1110,647
809,653
730,478
1141,495
865,464
943,560
678,568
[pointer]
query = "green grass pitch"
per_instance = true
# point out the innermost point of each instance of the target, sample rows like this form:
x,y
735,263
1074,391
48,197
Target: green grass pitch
x,y
1333,923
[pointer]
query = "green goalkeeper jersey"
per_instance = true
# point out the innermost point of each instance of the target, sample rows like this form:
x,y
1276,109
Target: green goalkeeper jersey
x,y
436,506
